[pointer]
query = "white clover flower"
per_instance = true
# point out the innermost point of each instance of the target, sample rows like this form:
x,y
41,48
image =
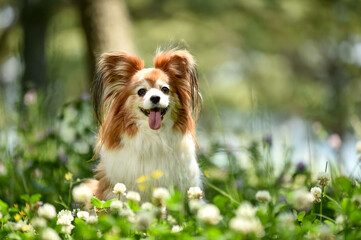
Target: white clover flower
x,y
161,194
247,225
28,228
11,225
119,188
84,215
162,214
93,219
263,196
176,228
246,210
246,220
19,225
195,193
47,210
82,193
147,206
50,234
116,205
38,222
171,219
358,147
209,214
194,205
128,213
340,220
286,218
323,179
133,196
317,194
65,217
22,226
325,232
143,221
239,224
66,229
302,199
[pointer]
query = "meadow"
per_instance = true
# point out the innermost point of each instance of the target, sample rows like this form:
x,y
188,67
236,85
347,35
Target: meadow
x,y
278,130
42,195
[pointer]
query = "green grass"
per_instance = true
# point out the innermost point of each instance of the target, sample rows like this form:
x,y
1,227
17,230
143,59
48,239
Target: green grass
x,y
36,170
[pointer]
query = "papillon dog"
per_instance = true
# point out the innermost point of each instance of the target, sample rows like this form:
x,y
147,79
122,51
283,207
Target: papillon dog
x,y
146,119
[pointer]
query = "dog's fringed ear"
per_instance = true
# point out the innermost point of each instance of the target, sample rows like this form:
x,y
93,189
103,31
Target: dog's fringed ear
x,y
114,70
181,67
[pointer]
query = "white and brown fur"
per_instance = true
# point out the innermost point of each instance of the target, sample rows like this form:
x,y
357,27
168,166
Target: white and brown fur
x,y
127,146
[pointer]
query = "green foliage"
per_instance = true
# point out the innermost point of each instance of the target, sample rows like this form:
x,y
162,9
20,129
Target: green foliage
x,y
39,157
41,175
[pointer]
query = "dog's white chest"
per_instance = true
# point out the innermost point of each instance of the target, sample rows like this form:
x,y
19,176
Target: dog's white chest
x,y
147,152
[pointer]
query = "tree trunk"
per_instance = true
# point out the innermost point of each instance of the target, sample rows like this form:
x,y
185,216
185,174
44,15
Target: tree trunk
x,y
34,22
107,27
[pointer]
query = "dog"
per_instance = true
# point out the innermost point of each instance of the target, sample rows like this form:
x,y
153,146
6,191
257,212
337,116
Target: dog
x,y
146,119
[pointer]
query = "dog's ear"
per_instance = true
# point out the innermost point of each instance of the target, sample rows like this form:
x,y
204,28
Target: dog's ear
x,y
180,66
114,70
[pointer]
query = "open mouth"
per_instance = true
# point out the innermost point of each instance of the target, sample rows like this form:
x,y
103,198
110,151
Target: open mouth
x,y
155,116
147,111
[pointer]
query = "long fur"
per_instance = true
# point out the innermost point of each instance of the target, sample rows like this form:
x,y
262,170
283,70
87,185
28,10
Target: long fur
x,y
128,147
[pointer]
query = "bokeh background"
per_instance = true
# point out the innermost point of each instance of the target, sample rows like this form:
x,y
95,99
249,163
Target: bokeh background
x,y
283,73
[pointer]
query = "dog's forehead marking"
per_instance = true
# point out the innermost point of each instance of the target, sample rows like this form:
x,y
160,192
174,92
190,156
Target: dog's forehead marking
x,y
153,76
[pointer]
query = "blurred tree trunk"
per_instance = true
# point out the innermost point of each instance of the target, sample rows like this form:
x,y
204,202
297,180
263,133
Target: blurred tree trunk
x,y
107,27
34,22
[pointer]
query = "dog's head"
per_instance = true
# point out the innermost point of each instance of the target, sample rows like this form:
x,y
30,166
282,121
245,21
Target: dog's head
x,y
127,97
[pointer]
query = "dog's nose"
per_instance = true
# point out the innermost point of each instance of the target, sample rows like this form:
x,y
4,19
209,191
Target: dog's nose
x,y
154,99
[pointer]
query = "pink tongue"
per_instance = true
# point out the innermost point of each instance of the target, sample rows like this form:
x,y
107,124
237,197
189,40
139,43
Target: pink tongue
x,y
155,120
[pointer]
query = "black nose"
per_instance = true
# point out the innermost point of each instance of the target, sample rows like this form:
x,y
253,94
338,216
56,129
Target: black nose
x,y
155,99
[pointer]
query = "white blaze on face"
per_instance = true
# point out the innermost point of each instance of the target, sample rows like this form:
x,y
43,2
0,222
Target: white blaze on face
x,y
155,108
155,101
163,102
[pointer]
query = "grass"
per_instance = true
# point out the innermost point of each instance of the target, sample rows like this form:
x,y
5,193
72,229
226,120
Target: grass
x,y
45,164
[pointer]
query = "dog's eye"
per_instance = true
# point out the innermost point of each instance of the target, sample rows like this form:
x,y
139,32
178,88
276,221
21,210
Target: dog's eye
x,y
142,92
165,90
